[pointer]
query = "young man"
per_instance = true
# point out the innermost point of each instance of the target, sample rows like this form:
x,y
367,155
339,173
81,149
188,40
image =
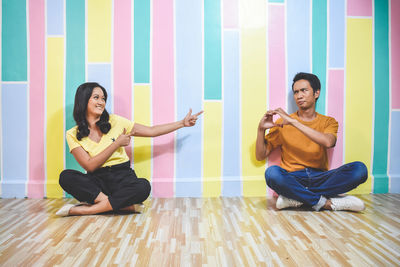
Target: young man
x,y
304,138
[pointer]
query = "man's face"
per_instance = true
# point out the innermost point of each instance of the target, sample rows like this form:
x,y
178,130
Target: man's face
x,y
304,94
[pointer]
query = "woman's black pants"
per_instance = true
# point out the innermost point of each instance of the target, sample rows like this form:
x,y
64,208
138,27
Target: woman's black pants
x,y
119,182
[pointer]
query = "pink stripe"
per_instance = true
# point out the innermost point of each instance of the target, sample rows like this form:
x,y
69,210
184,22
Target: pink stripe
x,y
276,50
359,7
231,13
122,62
163,96
395,52
36,181
122,58
277,70
335,109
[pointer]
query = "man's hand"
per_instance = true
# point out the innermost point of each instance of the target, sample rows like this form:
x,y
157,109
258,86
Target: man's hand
x,y
267,122
324,139
286,117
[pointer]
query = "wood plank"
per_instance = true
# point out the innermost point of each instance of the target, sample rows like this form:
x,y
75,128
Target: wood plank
x,y
201,231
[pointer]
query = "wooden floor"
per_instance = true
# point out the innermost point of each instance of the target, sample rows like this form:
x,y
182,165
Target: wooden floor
x,y
201,232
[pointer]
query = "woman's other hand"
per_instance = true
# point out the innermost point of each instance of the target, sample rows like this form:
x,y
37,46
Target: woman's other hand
x,y
124,139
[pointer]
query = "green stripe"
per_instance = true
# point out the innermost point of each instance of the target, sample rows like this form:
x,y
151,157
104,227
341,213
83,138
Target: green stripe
x,y
212,50
14,41
382,105
319,51
75,66
142,41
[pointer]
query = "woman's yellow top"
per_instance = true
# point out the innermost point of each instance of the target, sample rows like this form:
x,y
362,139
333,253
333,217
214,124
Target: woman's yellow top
x,y
93,148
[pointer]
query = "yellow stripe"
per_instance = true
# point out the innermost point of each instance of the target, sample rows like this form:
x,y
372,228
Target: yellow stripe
x,y
55,116
212,149
254,92
359,101
142,145
99,30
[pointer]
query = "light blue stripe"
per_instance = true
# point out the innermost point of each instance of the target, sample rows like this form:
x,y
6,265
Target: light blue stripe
x,y
14,41
101,73
212,50
55,17
14,104
231,160
142,41
394,168
189,95
336,33
319,49
298,43
276,1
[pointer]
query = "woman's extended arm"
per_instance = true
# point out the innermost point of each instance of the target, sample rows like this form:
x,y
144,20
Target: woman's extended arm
x,y
89,163
157,130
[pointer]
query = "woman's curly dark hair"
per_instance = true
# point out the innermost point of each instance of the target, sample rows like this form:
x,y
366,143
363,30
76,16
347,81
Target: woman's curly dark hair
x,y
82,96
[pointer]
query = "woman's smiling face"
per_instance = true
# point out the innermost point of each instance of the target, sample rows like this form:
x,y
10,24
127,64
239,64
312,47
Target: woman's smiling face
x,y
96,102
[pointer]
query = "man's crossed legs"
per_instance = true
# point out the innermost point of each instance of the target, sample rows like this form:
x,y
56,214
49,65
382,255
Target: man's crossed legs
x,y
318,189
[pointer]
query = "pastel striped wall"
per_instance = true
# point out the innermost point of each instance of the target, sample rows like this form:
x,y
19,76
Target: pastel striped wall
x,y
394,103
253,90
234,59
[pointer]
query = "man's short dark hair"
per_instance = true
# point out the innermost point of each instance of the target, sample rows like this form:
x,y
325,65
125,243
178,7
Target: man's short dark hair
x,y
311,78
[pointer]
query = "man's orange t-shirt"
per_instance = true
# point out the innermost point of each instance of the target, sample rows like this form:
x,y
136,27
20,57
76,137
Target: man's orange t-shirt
x,y
299,151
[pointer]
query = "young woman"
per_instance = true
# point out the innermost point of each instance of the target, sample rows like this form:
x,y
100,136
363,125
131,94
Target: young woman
x,y
97,142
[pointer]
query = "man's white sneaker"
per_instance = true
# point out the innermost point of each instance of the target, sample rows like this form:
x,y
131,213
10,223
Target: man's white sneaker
x,y
284,202
347,203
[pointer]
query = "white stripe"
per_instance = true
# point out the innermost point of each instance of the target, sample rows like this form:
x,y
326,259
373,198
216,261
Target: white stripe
x,y
360,17
222,97
100,63
45,102
1,115
213,100
373,102
28,72
111,89
151,90
202,102
286,59
344,84
230,29
16,82
310,37
240,103
146,84
390,97
56,35
267,68
276,3
327,59
175,102
86,41
133,76
64,86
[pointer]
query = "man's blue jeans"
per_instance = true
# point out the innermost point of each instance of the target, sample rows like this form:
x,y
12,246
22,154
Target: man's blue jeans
x,y
312,186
